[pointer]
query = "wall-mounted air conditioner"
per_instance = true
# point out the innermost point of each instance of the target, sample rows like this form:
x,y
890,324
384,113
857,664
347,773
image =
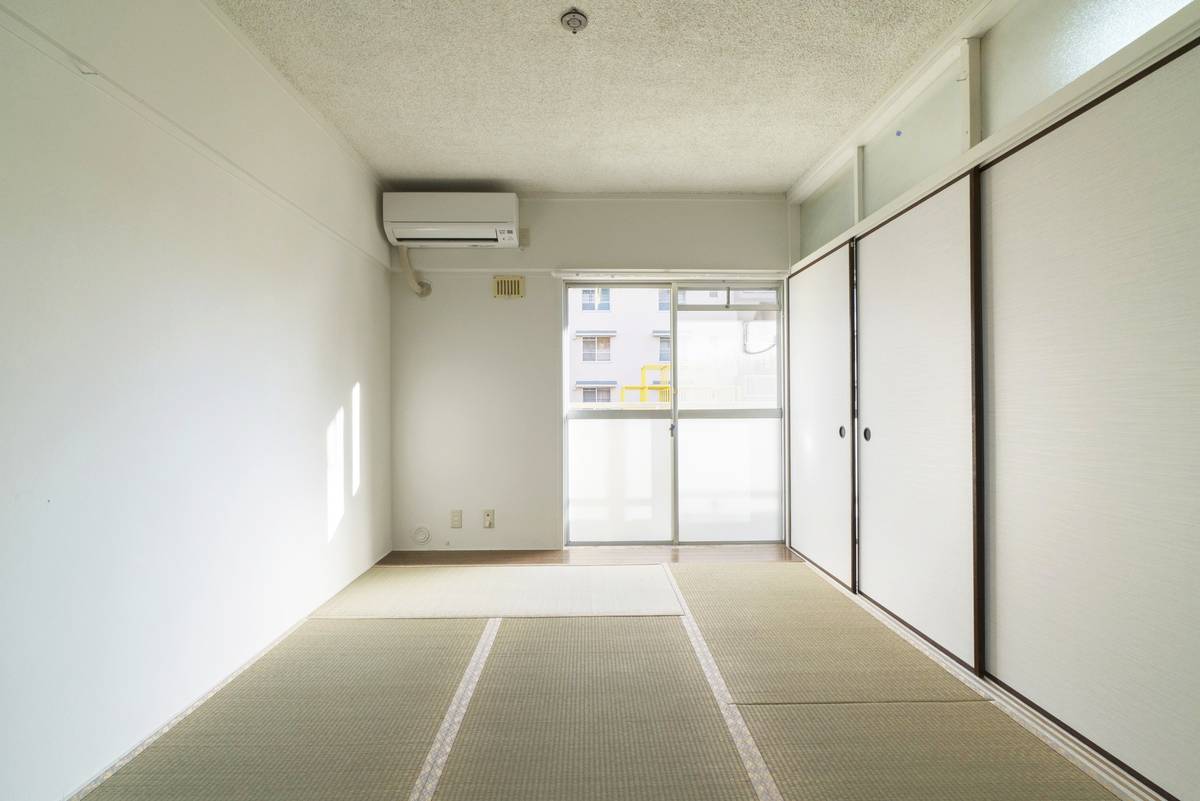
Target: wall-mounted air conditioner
x,y
450,219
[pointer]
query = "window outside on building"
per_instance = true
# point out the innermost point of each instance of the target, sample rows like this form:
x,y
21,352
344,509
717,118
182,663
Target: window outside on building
x,y
597,299
597,394
597,349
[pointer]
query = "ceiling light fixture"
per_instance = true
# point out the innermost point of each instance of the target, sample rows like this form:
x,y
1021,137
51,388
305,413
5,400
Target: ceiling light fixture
x,y
574,20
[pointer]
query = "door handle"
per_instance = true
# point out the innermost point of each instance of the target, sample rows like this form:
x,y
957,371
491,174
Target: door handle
x,y
671,429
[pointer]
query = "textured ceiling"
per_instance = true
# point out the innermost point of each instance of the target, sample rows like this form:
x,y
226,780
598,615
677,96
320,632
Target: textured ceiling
x,y
654,96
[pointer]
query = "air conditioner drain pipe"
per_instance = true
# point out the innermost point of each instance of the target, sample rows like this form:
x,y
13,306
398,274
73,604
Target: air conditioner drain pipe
x,y
401,264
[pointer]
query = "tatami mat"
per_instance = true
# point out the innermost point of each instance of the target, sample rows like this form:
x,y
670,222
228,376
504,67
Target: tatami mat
x,y
959,751
593,709
506,591
781,634
340,709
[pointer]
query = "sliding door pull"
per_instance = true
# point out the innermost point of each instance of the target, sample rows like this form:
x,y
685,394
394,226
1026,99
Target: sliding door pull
x,y
842,432
867,434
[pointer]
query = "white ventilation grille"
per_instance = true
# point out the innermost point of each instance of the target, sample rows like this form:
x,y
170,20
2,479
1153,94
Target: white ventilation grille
x,y
508,286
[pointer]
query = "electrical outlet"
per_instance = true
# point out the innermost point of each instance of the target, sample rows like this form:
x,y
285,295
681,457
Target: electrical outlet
x,y
456,518
489,518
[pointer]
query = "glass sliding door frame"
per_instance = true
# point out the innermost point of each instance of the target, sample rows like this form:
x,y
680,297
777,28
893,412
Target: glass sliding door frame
x,y
776,412
674,414
569,414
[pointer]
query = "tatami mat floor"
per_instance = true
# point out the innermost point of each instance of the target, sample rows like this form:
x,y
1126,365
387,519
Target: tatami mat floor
x,y
843,709
781,634
805,697
340,709
911,751
593,709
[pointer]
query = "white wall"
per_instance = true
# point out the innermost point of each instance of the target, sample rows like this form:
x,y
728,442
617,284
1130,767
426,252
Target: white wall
x,y
1040,47
197,72
824,215
924,137
183,309
477,382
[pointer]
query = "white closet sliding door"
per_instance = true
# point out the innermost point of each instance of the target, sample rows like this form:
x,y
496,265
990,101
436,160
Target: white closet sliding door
x,y
1092,297
915,439
820,424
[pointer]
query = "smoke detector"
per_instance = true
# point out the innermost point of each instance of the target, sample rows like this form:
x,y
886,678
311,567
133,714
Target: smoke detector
x,y
574,20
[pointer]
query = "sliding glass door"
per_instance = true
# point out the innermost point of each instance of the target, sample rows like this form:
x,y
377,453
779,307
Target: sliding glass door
x,y
652,459
729,414
619,453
